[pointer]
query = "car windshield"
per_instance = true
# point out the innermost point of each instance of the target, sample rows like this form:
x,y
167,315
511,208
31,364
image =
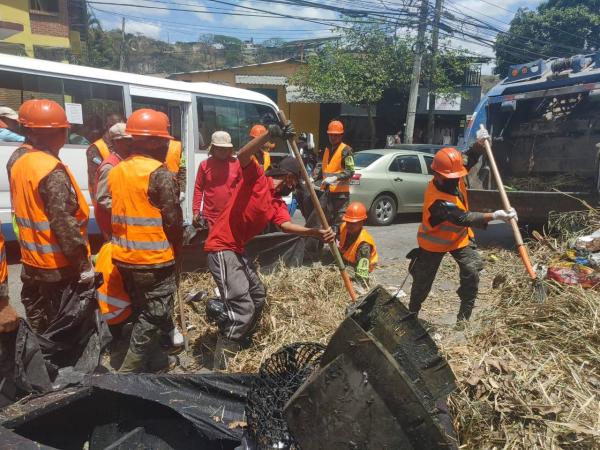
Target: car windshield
x,y
363,159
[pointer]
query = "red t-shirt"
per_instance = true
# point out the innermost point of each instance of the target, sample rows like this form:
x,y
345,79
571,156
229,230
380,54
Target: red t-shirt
x,y
216,180
252,206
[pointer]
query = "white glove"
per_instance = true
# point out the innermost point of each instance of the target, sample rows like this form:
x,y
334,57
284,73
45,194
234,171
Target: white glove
x,y
330,180
506,216
87,277
482,136
181,197
176,337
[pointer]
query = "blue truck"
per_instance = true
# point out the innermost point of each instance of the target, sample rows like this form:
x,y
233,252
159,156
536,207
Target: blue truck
x,y
544,119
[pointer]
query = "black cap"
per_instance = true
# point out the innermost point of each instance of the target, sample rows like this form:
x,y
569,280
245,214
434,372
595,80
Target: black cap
x,y
287,165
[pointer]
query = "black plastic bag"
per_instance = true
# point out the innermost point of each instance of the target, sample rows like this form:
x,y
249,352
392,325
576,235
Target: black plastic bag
x,y
313,245
22,367
72,344
215,311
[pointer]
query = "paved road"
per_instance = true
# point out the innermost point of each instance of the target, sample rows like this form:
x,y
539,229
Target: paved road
x,y
393,243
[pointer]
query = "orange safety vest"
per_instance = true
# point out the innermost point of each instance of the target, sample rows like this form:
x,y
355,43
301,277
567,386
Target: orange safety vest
x,y
349,253
138,234
39,247
114,302
333,167
104,152
446,236
3,263
266,160
173,157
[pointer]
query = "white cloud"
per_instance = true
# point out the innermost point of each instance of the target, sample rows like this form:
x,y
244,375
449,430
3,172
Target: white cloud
x,y
198,5
132,10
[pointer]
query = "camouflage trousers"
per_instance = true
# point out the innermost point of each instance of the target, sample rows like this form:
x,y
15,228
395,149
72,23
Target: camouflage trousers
x,y
152,293
424,270
339,205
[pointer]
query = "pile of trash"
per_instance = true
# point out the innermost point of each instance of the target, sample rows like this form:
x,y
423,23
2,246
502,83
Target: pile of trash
x,y
529,372
566,182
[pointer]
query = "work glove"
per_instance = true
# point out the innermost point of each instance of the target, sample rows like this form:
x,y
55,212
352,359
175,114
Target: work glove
x,y
176,337
330,180
181,197
482,136
9,319
87,277
285,133
506,216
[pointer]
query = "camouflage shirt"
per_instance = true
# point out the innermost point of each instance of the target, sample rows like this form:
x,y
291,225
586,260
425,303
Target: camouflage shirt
x,y
163,193
60,202
347,164
363,253
94,159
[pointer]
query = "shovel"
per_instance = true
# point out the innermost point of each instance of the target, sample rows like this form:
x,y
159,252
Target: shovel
x,y
313,196
537,283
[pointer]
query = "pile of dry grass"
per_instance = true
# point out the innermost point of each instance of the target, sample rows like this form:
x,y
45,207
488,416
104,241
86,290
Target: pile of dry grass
x,y
563,182
530,372
304,304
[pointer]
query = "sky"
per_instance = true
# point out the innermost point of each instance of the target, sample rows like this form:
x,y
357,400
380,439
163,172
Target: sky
x,y
160,19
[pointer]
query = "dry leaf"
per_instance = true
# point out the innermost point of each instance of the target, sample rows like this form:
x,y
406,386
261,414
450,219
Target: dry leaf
x,y
236,424
216,419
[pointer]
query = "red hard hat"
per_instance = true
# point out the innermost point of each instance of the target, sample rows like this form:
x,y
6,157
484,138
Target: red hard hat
x,y
24,108
356,212
147,122
448,163
45,114
335,127
257,130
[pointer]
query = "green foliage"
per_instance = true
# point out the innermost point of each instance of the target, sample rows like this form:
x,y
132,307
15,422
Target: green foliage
x,y
227,42
566,27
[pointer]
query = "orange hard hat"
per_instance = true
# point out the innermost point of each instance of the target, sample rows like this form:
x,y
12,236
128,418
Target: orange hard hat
x,y
147,122
335,127
166,118
46,114
448,163
257,130
24,108
356,212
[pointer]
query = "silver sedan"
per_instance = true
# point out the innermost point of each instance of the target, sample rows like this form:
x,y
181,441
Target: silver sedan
x,y
390,181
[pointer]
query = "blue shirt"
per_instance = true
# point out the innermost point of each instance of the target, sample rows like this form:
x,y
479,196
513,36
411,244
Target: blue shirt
x,y
8,136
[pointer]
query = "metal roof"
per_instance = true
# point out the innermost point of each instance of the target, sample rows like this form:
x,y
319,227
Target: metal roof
x,y
233,68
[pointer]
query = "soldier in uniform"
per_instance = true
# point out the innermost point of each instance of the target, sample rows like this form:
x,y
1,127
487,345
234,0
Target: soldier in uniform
x,y
147,227
356,245
336,169
99,151
51,214
446,228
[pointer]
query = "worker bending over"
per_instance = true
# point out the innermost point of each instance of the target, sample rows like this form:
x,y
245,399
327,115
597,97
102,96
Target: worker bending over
x,y
335,170
147,227
51,214
121,149
216,179
262,157
99,151
256,201
9,319
446,228
356,244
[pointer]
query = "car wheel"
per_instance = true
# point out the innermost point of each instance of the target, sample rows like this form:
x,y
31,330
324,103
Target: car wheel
x,y
383,210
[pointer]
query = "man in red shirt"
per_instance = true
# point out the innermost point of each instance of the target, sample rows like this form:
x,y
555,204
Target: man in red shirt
x,y
255,202
217,178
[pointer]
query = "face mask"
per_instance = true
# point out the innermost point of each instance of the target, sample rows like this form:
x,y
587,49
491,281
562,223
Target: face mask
x,y
451,184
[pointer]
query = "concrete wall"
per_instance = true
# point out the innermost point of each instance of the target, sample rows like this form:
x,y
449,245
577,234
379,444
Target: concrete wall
x,y
306,116
40,28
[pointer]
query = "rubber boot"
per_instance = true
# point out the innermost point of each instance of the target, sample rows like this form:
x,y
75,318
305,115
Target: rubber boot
x,y
132,363
158,360
247,341
224,352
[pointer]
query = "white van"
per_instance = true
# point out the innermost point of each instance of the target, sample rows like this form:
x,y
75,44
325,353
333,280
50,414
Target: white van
x,y
195,111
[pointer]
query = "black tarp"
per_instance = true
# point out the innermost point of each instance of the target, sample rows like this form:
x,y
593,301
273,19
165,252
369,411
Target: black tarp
x,y
267,250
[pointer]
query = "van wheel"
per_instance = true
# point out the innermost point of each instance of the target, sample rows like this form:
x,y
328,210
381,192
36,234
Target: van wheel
x,y
383,210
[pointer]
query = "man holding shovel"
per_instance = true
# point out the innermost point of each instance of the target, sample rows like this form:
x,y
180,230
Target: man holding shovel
x,y
256,201
446,227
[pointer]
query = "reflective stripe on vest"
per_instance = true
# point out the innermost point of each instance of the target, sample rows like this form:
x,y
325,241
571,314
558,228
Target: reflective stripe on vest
x,y
173,157
333,167
39,246
138,236
3,263
349,254
446,236
113,300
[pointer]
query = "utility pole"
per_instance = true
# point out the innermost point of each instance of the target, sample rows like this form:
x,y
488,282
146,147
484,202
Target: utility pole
x,y
434,52
122,56
414,85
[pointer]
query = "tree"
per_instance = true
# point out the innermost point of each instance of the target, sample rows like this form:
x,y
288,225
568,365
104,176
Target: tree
x,y
274,42
559,28
232,47
368,60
